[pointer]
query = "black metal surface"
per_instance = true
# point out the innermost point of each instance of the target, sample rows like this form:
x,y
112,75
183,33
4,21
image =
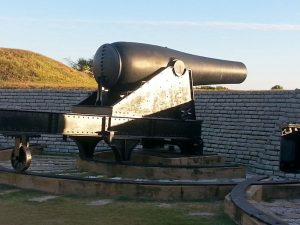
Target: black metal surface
x,y
123,148
276,182
86,146
128,163
121,66
87,130
290,149
154,127
128,133
239,198
15,123
31,122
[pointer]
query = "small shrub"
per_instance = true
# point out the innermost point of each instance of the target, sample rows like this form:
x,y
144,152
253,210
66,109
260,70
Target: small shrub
x,y
277,87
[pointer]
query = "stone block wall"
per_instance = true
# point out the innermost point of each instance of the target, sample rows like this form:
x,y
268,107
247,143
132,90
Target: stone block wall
x,y
245,126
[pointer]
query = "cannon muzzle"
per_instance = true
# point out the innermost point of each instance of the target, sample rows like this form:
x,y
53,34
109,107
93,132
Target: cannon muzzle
x,y
122,66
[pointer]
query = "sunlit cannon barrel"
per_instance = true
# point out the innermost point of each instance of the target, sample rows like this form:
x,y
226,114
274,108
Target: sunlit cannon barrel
x,y
122,66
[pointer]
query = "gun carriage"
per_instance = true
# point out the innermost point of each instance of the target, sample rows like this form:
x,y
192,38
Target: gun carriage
x,y
145,96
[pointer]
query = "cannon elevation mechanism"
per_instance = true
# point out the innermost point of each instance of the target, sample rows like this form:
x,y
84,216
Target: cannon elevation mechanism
x,y
145,96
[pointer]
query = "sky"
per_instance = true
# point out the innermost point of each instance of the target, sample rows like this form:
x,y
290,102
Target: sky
x,y
263,34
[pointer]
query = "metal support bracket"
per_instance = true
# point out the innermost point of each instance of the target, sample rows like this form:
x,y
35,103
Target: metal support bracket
x,y
123,148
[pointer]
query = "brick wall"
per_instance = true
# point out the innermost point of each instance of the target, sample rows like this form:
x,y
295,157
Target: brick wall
x,y
243,125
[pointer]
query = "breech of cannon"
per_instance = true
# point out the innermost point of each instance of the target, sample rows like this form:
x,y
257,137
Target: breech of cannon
x,y
122,66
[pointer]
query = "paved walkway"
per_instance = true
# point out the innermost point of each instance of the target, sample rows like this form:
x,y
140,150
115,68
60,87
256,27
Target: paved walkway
x,y
287,210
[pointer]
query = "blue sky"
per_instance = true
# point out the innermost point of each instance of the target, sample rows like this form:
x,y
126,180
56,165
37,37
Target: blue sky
x,y
263,34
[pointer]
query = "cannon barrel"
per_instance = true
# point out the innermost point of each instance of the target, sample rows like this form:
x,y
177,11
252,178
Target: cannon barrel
x,y
122,66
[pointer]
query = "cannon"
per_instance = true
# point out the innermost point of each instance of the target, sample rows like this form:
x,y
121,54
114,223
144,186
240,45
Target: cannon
x,y
145,96
121,66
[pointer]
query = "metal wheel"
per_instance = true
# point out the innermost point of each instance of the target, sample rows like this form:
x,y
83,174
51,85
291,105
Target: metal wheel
x,y
21,158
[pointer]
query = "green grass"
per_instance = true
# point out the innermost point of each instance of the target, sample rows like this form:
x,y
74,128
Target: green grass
x,y
16,209
26,69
